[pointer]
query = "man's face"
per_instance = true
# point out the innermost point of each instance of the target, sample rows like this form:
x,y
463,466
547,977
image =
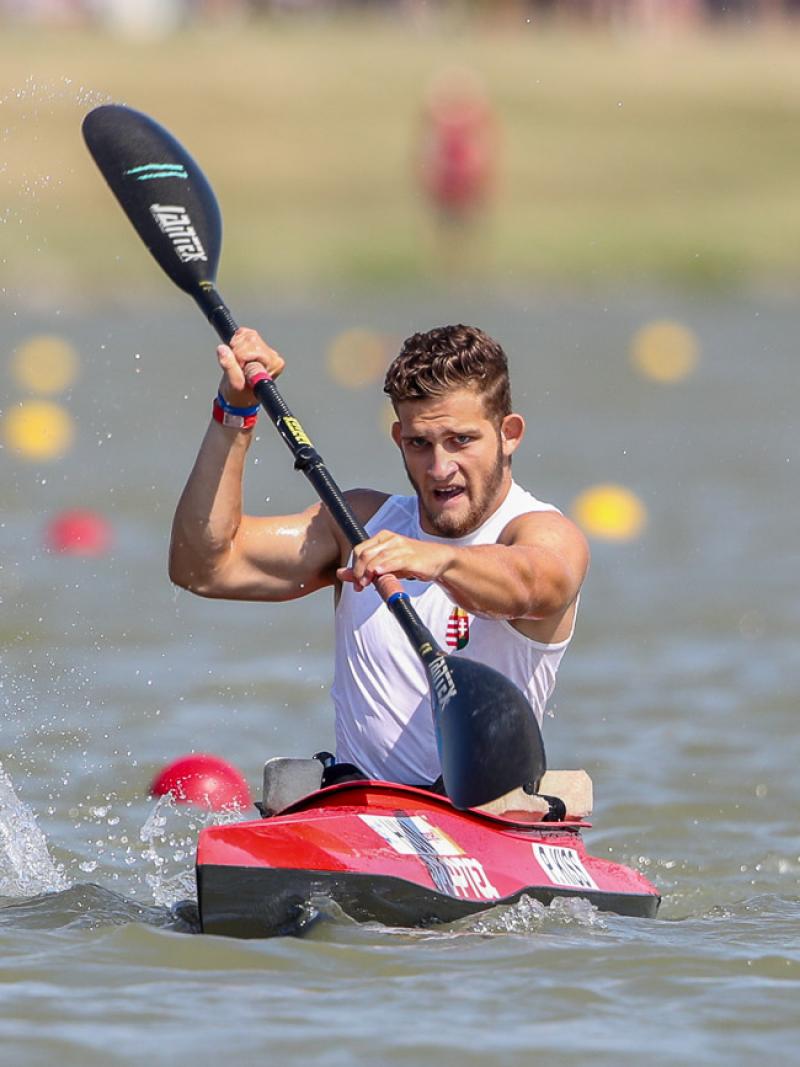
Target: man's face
x,y
456,459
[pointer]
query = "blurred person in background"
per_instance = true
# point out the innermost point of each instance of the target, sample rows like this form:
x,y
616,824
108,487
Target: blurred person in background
x,y
456,163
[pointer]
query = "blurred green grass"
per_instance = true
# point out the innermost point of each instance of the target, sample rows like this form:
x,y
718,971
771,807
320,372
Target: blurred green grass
x,y
625,159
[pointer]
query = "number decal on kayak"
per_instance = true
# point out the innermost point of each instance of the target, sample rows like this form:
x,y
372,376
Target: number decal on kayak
x,y
563,866
451,871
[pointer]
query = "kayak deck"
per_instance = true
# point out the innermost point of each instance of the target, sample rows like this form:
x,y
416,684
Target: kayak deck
x,y
400,856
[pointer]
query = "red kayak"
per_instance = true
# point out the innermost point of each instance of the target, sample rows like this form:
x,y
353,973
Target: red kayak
x,y
400,856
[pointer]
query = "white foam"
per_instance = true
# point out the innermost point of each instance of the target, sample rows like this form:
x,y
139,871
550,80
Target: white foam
x,y
26,867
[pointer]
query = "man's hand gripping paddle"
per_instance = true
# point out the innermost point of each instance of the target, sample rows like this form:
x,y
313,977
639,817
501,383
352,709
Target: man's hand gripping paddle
x,y
488,738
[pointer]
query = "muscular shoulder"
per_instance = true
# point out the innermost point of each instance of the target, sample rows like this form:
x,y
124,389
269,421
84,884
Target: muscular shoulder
x,y
559,557
550,531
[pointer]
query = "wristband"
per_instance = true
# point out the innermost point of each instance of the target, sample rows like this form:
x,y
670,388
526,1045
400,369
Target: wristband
x,y
230,418
233,410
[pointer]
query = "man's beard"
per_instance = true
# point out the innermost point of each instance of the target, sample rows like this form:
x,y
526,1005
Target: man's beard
x,y
447,525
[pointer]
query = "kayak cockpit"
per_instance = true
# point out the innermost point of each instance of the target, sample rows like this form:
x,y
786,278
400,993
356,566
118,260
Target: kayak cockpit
x,y
291,783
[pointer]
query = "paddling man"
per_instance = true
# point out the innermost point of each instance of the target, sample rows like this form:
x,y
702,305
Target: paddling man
x,y
495,571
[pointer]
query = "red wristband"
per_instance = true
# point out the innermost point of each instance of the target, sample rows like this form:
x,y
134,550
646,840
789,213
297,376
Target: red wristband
x,y
226,418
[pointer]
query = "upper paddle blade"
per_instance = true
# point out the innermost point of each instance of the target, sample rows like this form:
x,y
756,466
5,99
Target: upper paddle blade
x,y
488,737
162,191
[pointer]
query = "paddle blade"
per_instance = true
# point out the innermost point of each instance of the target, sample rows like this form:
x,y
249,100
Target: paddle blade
x,y
161,190
488,737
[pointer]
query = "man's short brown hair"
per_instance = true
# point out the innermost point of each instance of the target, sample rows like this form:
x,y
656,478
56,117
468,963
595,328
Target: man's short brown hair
x,y
451,357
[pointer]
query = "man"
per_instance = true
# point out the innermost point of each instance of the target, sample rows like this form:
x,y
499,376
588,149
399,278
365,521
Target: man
x,y
489,568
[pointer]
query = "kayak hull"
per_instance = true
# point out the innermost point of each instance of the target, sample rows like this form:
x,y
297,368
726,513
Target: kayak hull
x,y
399,856
247,902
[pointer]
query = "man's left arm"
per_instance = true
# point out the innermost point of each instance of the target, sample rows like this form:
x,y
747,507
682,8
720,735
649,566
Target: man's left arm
x,y
534,571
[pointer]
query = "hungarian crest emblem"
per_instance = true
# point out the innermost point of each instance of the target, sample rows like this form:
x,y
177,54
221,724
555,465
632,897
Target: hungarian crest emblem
x,y
458,629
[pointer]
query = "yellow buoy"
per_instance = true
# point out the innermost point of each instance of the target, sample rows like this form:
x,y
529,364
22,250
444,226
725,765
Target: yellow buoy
x,y
665,351
357,358
610,512
45,364
39,430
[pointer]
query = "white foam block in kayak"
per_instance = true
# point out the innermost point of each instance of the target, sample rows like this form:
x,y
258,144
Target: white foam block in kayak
x,y
573,787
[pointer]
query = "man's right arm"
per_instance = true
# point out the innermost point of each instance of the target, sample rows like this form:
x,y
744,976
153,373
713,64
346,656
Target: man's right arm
x,y
215,550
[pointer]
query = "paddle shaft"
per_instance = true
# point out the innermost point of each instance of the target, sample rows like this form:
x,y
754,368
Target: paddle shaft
x,y
309,461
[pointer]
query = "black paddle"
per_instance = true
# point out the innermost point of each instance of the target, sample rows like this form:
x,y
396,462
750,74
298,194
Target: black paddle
x,y
488,738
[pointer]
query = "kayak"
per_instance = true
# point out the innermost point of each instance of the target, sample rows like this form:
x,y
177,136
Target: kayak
x,y
399,855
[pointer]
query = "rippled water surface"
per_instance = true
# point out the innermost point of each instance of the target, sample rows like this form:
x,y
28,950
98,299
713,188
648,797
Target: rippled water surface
x,y
679,696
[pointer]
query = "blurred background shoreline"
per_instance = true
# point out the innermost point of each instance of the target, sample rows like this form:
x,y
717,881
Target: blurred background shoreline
x,y
639,152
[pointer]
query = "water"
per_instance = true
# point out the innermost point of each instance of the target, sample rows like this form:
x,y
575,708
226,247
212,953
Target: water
x,y
679,696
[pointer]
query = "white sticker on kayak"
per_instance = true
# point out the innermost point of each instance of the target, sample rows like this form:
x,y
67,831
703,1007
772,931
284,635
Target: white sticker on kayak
x,y
450,870
412,835
563,866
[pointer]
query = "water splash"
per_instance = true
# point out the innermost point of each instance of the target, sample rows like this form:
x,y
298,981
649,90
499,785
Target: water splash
x,y
33,175
34,93
167,886
22,110
528,916
26,868
525,917
170,836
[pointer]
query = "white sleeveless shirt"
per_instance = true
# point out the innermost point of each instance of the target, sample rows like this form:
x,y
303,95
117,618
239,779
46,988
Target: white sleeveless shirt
x,y
384,723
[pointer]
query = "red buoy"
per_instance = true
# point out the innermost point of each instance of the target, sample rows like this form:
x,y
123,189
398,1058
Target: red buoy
x,y
79,532
203,780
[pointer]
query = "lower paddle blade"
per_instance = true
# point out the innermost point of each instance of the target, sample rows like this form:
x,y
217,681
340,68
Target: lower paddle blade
x,y
488,737
162,191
